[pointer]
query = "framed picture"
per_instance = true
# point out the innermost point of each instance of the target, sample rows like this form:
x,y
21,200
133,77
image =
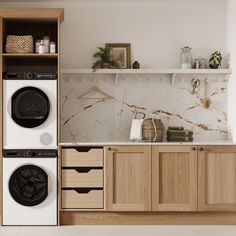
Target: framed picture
x,y
121,52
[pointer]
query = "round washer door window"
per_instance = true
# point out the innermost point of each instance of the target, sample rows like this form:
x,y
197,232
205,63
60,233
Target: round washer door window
x,y
28,185
30,107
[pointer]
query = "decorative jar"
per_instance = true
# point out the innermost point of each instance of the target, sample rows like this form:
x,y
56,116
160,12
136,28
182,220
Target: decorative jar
x,y
186,58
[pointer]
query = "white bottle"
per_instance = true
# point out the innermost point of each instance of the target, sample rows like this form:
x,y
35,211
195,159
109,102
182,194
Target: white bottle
x,y
37,43
46,42
41,47
52,47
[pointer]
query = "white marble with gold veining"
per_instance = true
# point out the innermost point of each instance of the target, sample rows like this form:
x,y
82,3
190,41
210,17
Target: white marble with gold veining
x,y
94,118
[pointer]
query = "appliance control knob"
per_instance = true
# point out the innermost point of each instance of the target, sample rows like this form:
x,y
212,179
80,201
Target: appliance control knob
x,y
30,153
29,75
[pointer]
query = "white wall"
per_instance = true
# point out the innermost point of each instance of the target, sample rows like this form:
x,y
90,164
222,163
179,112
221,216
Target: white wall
x,y
231,42
156,31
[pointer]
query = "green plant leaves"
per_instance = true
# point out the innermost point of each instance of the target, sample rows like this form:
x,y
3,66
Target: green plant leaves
x,y
215,59
103,55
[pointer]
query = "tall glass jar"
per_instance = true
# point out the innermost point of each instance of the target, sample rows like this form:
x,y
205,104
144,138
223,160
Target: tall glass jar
x,y
186,58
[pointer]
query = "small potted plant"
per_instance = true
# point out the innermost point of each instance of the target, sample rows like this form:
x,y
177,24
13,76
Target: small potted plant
x,y
104,59
215,60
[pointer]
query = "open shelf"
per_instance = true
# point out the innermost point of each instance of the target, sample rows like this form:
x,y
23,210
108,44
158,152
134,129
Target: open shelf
x,y
172,72
146,71
29,55
29,62
36,28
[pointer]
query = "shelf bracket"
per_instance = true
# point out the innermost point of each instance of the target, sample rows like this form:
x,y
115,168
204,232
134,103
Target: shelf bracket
x,y
227,76
173,76
116,79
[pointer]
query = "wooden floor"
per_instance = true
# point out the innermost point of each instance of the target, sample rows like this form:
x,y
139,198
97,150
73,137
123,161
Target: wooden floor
x,y
120,230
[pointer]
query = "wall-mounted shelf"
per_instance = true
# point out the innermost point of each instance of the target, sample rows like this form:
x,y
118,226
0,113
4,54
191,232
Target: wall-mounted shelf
x,y
29,55
172,72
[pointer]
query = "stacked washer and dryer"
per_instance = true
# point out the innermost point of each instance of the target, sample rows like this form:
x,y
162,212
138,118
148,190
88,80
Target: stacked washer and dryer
x,y
29,149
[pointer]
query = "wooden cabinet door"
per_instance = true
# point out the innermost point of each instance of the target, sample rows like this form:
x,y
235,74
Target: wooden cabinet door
x,y
128,178
217,178
174,178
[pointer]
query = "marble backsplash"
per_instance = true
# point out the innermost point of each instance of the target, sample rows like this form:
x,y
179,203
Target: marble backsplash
x,y
105,113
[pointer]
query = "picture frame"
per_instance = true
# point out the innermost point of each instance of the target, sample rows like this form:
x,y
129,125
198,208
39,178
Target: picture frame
x,y
121,52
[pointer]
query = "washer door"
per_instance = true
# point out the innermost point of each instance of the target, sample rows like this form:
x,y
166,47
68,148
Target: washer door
x,y
30,107
28,185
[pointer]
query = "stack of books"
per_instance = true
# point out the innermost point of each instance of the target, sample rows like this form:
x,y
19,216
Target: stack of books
x,y
179,134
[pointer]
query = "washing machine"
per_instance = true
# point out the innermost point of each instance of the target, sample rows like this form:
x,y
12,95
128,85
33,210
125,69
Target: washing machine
x,y
29,113
30,187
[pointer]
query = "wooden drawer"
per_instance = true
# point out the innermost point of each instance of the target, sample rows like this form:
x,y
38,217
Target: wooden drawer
x,y
90,200
72,157
71,178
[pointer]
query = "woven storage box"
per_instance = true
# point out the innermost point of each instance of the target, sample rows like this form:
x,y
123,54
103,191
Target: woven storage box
x,y
19,44
151,132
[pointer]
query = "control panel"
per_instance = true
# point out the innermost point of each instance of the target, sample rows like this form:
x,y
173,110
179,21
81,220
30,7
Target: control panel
x,y
32,153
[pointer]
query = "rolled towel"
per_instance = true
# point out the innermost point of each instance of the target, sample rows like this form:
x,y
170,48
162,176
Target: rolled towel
x,y
136,130
184,139
179,132
179,136
175,128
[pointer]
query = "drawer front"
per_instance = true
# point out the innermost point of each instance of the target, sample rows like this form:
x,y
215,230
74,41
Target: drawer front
x,y
88,158
71,178
73,199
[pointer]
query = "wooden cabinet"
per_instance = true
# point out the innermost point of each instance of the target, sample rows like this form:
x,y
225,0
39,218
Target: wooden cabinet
x,y
217,178
74,199
82,178
128,178
150,178
174,178
82,157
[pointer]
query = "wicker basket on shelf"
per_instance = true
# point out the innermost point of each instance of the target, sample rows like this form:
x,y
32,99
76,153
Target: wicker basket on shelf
x,y
19,44
153,130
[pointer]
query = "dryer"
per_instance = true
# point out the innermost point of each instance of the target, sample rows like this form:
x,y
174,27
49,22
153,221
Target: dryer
x,y
30,113
29,187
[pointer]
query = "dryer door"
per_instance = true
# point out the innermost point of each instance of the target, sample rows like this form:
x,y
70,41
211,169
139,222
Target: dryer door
x,y
30,107
28,185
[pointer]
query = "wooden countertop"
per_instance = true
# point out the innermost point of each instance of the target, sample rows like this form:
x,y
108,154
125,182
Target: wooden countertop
x,y
130,143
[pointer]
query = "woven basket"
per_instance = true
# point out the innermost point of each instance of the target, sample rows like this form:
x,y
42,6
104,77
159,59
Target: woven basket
x,y
19,44
153,130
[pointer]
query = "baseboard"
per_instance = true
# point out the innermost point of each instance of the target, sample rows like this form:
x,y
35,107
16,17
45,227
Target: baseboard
x,y
147,218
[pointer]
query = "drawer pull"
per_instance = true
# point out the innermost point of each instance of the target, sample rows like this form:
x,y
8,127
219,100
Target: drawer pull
x,y
83,190
82,169
85,149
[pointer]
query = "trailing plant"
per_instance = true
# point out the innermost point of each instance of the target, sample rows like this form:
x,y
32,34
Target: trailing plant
x,y
103,56
215,60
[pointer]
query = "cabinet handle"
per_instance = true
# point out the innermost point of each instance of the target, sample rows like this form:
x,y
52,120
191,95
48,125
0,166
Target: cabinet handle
x,y
109,149
201,149
194,149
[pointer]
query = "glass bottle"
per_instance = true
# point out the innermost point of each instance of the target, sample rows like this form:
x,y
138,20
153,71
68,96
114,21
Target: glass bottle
x,y
41,47
52,47
186,58
46,42
37,43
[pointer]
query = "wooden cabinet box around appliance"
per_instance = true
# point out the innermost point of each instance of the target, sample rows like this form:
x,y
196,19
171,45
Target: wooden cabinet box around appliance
x,y
82,178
